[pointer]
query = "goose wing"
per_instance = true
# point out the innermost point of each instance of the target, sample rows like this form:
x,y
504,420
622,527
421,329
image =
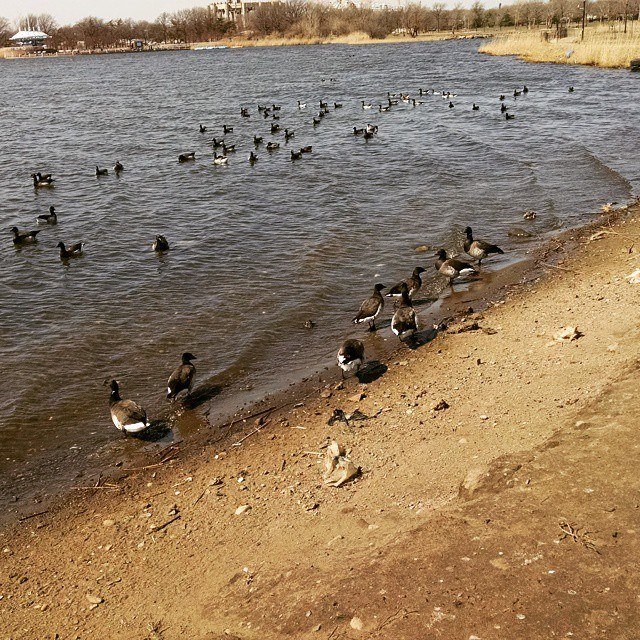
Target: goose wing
x,y
404,319
487,247
369,308
181,378
127,413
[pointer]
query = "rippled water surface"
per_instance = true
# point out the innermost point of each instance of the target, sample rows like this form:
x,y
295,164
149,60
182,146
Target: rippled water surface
x,y
258,250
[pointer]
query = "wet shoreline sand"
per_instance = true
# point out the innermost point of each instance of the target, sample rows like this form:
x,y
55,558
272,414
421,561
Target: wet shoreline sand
x,y
162,530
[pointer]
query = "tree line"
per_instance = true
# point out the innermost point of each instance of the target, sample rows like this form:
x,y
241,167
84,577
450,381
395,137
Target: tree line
x,y
304,18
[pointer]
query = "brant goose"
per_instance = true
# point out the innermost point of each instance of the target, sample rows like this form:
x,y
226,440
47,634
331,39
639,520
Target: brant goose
x,y
370,309
253,158
272,146
73,251
372,128
276,107
525,89
261,109
28,237
182,378
350,356
477,248
226,129
366,106
295,155
452,268
302,105
475,107
49,218
202,129
413,282
503,108
357,132
101,172
118,167
337,105
40,181
316,122
244,112
258,140
219,160
127,416
186,157
368,135
571,89
516,93
405,321
509,116
307,149
288,134
323,105
275,128
502,97
218,143
384,109
160,244
451,105
228,148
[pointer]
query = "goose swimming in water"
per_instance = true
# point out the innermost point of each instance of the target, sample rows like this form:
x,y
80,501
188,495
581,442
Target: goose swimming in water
x,y
366,106
451,105
219,160
357,132
275,128
28,237
127,416
160,244
253,158
350,356
226,129
276,107
49,218
372,128
479,249
182,378
413,282
503,108
307,149
475,107
516,93
323,105
258,140
272,146
337,105
302,105
187,157
368,135
227,148
405,321
295,155
101,172
525,89
244,112
42,182
202,129
384,109
452,268
288,134
571,89
73,251
371,308
118,167
316,122
218,143
502,97
509,116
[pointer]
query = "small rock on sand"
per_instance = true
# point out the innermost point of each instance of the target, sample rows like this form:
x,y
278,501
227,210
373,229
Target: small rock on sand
x,y
94,599
356,623
242,509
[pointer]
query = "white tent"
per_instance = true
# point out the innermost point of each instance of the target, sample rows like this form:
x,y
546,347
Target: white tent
x,y
28,36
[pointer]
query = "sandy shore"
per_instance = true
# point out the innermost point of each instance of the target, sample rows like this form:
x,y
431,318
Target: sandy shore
x,y
511,513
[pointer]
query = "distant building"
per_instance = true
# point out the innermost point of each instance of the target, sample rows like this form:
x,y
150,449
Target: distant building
x,y
36,39
234,10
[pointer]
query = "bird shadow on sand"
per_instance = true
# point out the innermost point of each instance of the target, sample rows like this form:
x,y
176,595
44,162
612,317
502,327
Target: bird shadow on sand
x,y
371,371
421,338
158,430
201,394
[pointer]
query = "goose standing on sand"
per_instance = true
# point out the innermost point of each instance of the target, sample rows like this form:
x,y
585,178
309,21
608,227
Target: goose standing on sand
x,y
118,167
48,218
477,248
413,282
101,172
452,268
160,244
371,308
28,237
73,251
182,378
42,182
350,356
405,321
128,416
187,157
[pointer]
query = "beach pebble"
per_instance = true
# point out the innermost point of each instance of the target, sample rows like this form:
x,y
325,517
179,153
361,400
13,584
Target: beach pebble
x,y
94,599
108,523
356,623
242,509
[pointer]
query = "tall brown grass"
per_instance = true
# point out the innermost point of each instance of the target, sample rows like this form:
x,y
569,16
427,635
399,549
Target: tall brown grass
x,y
601,48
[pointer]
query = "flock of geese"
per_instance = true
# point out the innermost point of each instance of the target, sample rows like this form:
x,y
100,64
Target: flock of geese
x,y
128,416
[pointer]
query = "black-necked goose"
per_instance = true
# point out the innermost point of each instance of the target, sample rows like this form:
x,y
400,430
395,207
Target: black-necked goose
x,y
571,89
368,135
413,282
517,93
258,140
405,320
244,112
365,105
384,109
302,105
307,149
203,129
227,148
218,143
452,268
48,218
28,237
503,108
288,134
316,122
275,116
219,160
337,105
475,107
72,251
42,181
477,248
350,356
187,157
182,378
226,129
451,105
323,104
509,116
357,132
276,107
128,416
372,128
502,97
160,244
261,109
275,128
371,308
296,155
321,114
101,172
118,167
525,89
272,146
253,158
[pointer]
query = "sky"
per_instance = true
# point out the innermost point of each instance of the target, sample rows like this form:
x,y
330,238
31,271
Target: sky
x,y
69,11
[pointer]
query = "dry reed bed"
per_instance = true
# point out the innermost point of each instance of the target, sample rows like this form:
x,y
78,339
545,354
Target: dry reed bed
x,y
600,49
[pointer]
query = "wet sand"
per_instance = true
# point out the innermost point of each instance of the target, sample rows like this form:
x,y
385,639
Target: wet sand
x,y
467,520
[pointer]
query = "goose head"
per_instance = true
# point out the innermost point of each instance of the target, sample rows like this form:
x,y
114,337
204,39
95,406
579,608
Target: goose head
x,y
379,287
187,357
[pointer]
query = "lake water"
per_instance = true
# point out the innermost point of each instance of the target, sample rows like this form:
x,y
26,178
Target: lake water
x,y
256,251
